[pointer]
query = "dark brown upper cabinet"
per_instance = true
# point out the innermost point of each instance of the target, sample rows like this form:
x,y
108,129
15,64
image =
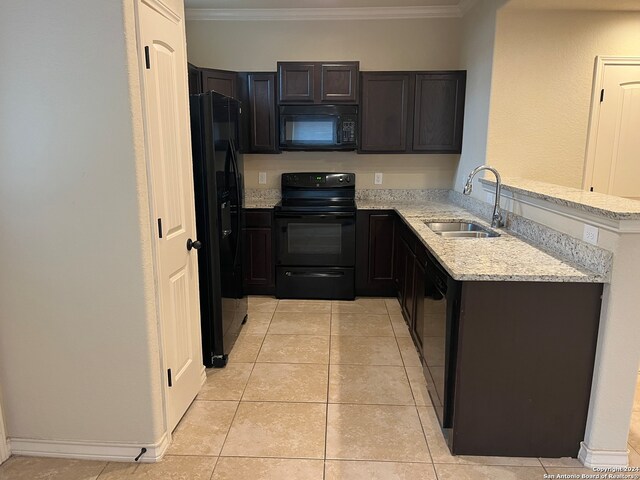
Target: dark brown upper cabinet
x,y
297,82
257,94
263,129
221,81
339,83
412,112
384,111
438,112
195,79
315,82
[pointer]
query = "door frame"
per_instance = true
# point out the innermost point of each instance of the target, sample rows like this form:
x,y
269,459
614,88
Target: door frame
x,y
5,447
601,62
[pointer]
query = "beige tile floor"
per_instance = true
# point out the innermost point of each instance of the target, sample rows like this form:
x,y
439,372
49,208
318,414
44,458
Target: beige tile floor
x,y
313,391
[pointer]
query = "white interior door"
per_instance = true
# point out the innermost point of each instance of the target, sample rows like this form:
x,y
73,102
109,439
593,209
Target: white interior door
x,y
165,101
616,153
4,446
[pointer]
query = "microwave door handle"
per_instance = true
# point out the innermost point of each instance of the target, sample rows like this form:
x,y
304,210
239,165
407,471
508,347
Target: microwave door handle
x,y
338,131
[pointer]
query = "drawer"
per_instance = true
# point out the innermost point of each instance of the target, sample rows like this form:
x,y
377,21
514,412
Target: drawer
x,y
259,218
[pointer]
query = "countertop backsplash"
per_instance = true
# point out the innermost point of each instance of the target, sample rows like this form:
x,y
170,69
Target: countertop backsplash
x,y
590,256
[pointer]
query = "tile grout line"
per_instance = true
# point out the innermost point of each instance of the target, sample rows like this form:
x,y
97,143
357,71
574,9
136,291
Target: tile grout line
x,y
326,410
214,467
103,469
235,413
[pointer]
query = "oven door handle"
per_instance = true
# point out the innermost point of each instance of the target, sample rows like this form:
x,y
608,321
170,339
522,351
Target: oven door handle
x,y
315,274
316,215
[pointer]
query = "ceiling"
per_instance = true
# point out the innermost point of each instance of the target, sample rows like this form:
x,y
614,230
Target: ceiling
x,y
629,5
602,5
314,3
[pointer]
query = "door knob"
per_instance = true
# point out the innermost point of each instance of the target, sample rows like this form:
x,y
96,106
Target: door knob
x,y
191,244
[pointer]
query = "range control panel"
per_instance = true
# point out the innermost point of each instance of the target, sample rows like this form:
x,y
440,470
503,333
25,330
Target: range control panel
x,y
318,180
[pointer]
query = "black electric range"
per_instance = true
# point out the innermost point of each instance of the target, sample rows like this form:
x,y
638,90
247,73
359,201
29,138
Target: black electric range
x,y
316,236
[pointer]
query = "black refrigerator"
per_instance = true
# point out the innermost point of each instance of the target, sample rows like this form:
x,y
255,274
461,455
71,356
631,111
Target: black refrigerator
x,y
220,221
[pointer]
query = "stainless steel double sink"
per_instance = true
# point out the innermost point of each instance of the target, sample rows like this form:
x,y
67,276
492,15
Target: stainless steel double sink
x,y
460,229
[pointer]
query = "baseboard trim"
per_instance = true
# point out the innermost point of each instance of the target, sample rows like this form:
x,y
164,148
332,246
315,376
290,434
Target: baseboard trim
x,y
114,452
592,458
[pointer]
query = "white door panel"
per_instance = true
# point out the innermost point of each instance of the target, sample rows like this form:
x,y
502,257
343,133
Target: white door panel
x,y
169,155
616,163
625,160
4,446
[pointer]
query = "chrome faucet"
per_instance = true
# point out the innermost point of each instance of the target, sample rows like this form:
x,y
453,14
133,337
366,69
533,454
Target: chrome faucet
x,y
496,220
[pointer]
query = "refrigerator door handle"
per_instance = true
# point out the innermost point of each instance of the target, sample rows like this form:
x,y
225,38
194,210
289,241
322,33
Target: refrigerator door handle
x,y
238,199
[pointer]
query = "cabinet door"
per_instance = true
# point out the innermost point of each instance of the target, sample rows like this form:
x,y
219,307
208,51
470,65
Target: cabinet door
x,y
259,257
384,112
297,82
195,79
409,288
262,113
221,81
259,267
381,231
417,328
339,83
375,232
439,112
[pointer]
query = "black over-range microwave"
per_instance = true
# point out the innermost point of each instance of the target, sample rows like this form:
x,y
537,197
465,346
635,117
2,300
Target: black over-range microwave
x,y
318,127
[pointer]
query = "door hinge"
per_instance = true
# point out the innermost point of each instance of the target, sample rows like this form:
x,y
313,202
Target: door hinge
x,y
159,228
591,189
601,95
169,377
147,61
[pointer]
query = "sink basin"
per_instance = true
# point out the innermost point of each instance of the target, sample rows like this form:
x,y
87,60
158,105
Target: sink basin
x,y
461,230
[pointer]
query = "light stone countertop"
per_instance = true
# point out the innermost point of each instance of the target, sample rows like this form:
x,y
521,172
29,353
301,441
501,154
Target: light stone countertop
x,y
504,258
254,203
609,206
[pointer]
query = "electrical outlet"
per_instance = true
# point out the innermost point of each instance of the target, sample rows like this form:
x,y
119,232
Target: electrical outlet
x,y
590,234
377,179
490,197
262,178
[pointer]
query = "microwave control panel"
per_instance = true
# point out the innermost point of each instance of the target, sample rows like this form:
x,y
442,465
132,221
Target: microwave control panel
x,y
349,131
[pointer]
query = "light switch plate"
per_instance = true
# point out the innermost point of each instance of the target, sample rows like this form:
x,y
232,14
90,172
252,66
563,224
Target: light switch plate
x,y
377,179
262,178
590,234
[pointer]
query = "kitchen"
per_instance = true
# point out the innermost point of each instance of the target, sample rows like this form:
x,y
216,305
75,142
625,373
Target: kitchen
x,y
444,44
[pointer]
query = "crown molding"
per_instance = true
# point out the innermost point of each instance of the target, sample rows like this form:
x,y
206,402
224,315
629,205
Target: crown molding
x,y
465,6
354,13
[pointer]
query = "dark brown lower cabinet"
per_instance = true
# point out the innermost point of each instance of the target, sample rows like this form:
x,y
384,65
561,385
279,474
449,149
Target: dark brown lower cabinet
x,y
417,326
259,268
375,231
525,356
516,370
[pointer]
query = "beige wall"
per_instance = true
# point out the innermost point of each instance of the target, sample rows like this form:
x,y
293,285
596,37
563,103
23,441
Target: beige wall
x,y
399,171
421,44
542,81
476,56
78,338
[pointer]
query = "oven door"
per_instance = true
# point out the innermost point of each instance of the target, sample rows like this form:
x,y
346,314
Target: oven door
x,y
316,239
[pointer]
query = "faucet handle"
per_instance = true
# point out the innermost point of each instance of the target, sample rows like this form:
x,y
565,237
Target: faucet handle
x,y
497,220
